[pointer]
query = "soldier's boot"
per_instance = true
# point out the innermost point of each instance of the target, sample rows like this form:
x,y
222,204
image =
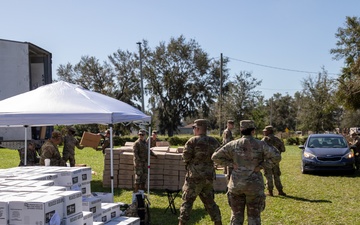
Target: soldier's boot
x,y
136,189
270,193
181,222
282,193
218,223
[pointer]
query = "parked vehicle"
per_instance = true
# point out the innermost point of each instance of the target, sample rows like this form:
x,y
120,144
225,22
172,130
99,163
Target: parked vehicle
x,y
327,152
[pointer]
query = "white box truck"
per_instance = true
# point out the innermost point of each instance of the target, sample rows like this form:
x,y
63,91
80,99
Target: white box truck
x,y
23,67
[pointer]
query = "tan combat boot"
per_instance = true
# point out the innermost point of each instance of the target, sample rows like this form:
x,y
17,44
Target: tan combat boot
x,y
282,193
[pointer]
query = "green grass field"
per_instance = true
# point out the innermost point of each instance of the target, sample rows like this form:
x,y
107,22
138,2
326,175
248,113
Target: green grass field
x,y
312,198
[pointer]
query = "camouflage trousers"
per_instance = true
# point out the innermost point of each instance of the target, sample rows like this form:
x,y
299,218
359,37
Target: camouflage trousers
x,y
204,189
273,175
141,173
254,203
70,157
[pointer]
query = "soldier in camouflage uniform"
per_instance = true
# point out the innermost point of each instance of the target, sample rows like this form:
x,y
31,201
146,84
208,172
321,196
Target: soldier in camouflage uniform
x,y
200,173
31,155
70,142
355,142
106,142
247,156
141,160
227,137
273,175
153,139
49,150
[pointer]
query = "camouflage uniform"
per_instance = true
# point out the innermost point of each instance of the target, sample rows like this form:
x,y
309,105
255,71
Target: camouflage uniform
x,y
273,175
70,142
200,174
105,144
31,156
247,156
152,142
356,142
50,151
227,137
141,161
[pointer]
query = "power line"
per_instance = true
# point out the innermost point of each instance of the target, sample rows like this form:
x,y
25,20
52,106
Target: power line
x,y
279,68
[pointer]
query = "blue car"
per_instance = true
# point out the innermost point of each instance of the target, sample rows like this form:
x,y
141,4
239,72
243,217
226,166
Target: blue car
x,y
326,152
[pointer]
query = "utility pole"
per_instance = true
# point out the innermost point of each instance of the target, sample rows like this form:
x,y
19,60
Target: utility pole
x,y
142,79
220,99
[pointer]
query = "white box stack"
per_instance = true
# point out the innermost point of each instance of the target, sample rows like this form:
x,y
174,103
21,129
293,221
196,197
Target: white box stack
x,y
35,211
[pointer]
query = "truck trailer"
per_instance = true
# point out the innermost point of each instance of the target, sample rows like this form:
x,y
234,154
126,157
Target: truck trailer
x,y
23,67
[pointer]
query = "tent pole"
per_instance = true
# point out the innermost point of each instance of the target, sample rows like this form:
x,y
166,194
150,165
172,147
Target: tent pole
x,y
25,157
148,180
111,159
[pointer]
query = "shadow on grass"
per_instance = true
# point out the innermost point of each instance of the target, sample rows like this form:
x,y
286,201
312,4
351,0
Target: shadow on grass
x,y
305,199
336,173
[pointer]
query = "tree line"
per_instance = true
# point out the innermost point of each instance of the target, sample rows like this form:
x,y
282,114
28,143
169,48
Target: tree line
x,y
184,83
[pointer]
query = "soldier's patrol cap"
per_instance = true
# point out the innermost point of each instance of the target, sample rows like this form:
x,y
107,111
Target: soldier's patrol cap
x,y
154,132
245,124
56,134
200,123
142,131
230,121
353,133
268,128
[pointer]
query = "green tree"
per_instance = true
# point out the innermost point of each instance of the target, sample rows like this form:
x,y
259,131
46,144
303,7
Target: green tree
x,y
348,48
242,99
319,109
282,112
90,74
127,80
180,81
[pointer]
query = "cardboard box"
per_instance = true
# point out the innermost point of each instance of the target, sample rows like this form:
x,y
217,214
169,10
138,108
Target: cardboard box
x,y
87,218
123,220
90,140
76,219
35,211
104,196
92,204
72,202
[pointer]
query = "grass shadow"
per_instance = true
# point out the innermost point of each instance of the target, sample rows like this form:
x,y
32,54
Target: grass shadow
x,y
336,173
306,200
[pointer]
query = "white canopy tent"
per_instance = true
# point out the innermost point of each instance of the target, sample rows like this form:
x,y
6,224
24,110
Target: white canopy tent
x,y
63,103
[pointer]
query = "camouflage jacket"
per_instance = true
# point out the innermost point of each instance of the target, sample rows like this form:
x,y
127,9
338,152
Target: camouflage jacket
x,y
31,157
227,136
356,143
140,149
197,157
70,142
152,142
51,151
272,140
247,156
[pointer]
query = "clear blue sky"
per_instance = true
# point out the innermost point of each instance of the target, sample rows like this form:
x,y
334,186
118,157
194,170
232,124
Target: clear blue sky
x,y
287,34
